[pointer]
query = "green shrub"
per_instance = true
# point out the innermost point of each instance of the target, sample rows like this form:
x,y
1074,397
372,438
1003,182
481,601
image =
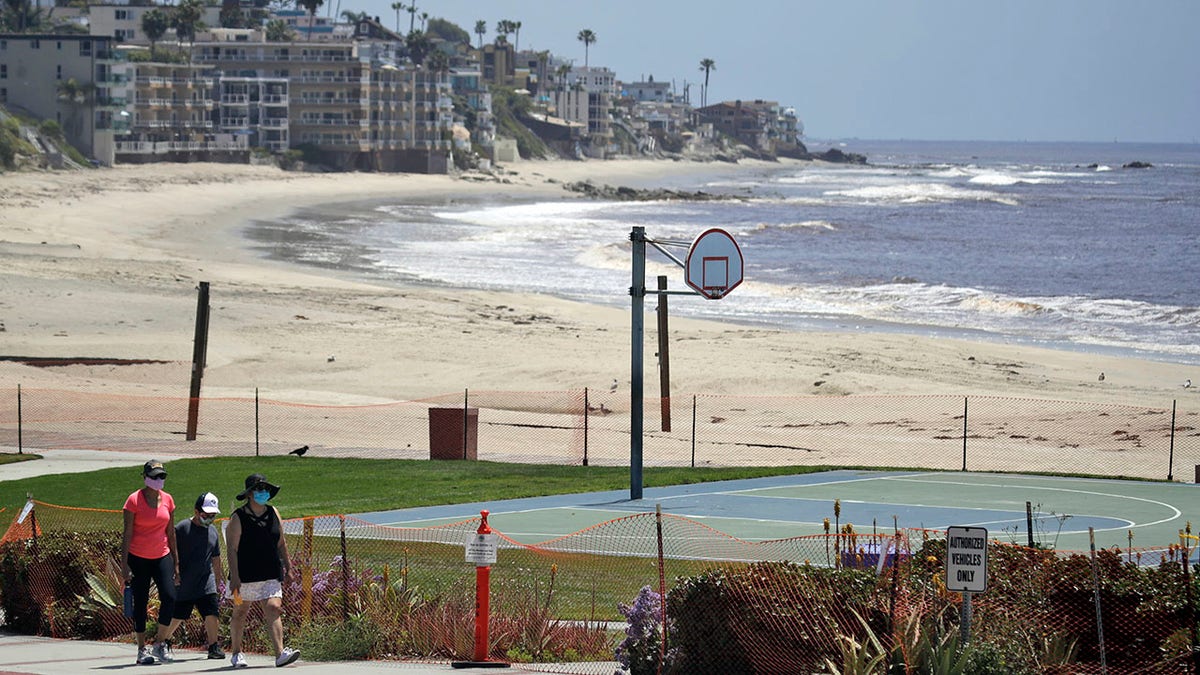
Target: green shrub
x,y
50,128
42,582
355,639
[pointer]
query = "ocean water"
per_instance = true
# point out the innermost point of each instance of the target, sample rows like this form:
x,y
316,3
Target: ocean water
x,y
1053,244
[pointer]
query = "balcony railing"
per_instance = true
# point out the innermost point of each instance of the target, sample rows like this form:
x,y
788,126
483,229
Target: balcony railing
x,y
163,147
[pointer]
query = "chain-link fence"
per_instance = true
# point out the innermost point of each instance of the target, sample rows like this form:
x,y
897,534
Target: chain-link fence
x,y
979,433
593,601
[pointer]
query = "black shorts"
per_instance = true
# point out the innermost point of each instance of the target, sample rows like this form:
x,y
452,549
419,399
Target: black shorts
x,y
207,606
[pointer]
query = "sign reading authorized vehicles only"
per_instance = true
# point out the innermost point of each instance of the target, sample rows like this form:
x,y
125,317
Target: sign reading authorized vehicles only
x,y
966,559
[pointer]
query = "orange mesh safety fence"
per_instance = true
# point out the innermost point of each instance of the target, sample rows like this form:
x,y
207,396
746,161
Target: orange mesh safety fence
x,y
592,601
979,433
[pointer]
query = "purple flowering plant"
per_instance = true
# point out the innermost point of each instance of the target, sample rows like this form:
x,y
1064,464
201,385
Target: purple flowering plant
x,y
639,652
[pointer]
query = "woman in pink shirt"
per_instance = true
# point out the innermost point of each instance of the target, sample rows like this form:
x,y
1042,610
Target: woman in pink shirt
x,y
148,554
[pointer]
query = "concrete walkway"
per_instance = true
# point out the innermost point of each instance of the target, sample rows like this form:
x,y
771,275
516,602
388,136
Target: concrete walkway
x,y
28,654
72,461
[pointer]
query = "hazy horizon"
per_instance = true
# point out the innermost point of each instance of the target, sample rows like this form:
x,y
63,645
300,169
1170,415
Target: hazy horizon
x,y
1021,70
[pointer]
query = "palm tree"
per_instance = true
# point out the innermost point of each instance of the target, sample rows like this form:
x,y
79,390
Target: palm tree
x,y
154,25
419,46
277,31
543,57
516,26
22,16
560,76
706,65
399,7
481,30
352,16
503,28
438,61
412,16
188,15
588,38
424,18
311,6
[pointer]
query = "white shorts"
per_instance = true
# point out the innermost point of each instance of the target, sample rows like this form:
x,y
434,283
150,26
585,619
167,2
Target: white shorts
x,y
252,591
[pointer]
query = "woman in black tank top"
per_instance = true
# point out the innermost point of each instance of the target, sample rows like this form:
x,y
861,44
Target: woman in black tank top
x,y
258,564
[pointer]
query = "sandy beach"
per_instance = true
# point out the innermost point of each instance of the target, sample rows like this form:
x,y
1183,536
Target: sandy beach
x,y
105,264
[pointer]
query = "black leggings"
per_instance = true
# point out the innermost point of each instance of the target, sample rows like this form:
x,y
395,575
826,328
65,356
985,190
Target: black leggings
x,y
162,572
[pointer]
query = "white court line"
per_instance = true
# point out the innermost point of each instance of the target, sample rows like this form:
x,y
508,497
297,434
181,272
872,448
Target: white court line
x,y
917,478
1165,505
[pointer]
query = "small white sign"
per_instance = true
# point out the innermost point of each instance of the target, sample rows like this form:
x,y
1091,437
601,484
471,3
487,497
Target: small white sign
x,y
966,559
481,549
25,512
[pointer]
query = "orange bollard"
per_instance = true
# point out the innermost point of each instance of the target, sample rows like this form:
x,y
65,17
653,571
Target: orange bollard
x,y
483,576
483,592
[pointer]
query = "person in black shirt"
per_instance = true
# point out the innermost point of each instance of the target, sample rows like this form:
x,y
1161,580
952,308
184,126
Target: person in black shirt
x,y
199,546
258,564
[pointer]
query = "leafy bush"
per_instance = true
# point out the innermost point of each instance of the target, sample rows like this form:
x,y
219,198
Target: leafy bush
x,y
356,638
43,581
728,620
50,128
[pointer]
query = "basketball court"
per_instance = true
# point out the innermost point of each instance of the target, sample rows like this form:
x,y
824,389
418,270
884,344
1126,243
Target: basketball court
x,y
789,506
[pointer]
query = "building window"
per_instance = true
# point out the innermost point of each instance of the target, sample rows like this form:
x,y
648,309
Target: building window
x,y
85,48
3,45
121,15
3,94
58,45
3,71
35,44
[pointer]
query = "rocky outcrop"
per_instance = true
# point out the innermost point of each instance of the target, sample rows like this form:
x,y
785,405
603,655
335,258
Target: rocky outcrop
x,y
628,194
1138,165
838,157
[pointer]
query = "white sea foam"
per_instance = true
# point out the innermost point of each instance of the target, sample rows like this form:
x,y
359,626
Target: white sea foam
x,y
1003,179
806,224
915,193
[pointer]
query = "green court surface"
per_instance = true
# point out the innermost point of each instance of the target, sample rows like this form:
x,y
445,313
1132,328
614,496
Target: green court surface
x,y
789,506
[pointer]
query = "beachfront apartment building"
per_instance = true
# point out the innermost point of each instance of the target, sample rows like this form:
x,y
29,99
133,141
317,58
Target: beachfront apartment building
x,y
762,125
170,114
255,108
586,98
68,79
467,83
356,104
648,91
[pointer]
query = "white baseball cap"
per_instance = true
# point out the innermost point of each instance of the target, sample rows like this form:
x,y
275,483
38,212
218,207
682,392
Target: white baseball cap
x,y
207,503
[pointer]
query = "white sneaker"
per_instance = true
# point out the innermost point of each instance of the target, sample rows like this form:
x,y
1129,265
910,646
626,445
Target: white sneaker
x,y
162,651
144,658
239,660
287,656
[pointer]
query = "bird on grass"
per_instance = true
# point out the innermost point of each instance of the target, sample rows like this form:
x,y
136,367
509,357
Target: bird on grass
x,y
299,452
613,386
1101,378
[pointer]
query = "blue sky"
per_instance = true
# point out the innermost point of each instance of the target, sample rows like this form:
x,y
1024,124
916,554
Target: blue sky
x,y
1022,70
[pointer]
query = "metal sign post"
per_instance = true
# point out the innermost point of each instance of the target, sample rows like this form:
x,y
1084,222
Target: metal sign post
x,y
713,268
966,568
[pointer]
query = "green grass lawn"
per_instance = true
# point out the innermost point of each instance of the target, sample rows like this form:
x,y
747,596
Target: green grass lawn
x,y
12,458
320,486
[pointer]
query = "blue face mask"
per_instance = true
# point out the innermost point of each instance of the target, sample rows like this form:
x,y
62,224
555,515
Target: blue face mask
x,y
261,497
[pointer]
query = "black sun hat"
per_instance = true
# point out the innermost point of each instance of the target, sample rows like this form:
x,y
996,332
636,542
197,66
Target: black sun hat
x,y
154,469
253,481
